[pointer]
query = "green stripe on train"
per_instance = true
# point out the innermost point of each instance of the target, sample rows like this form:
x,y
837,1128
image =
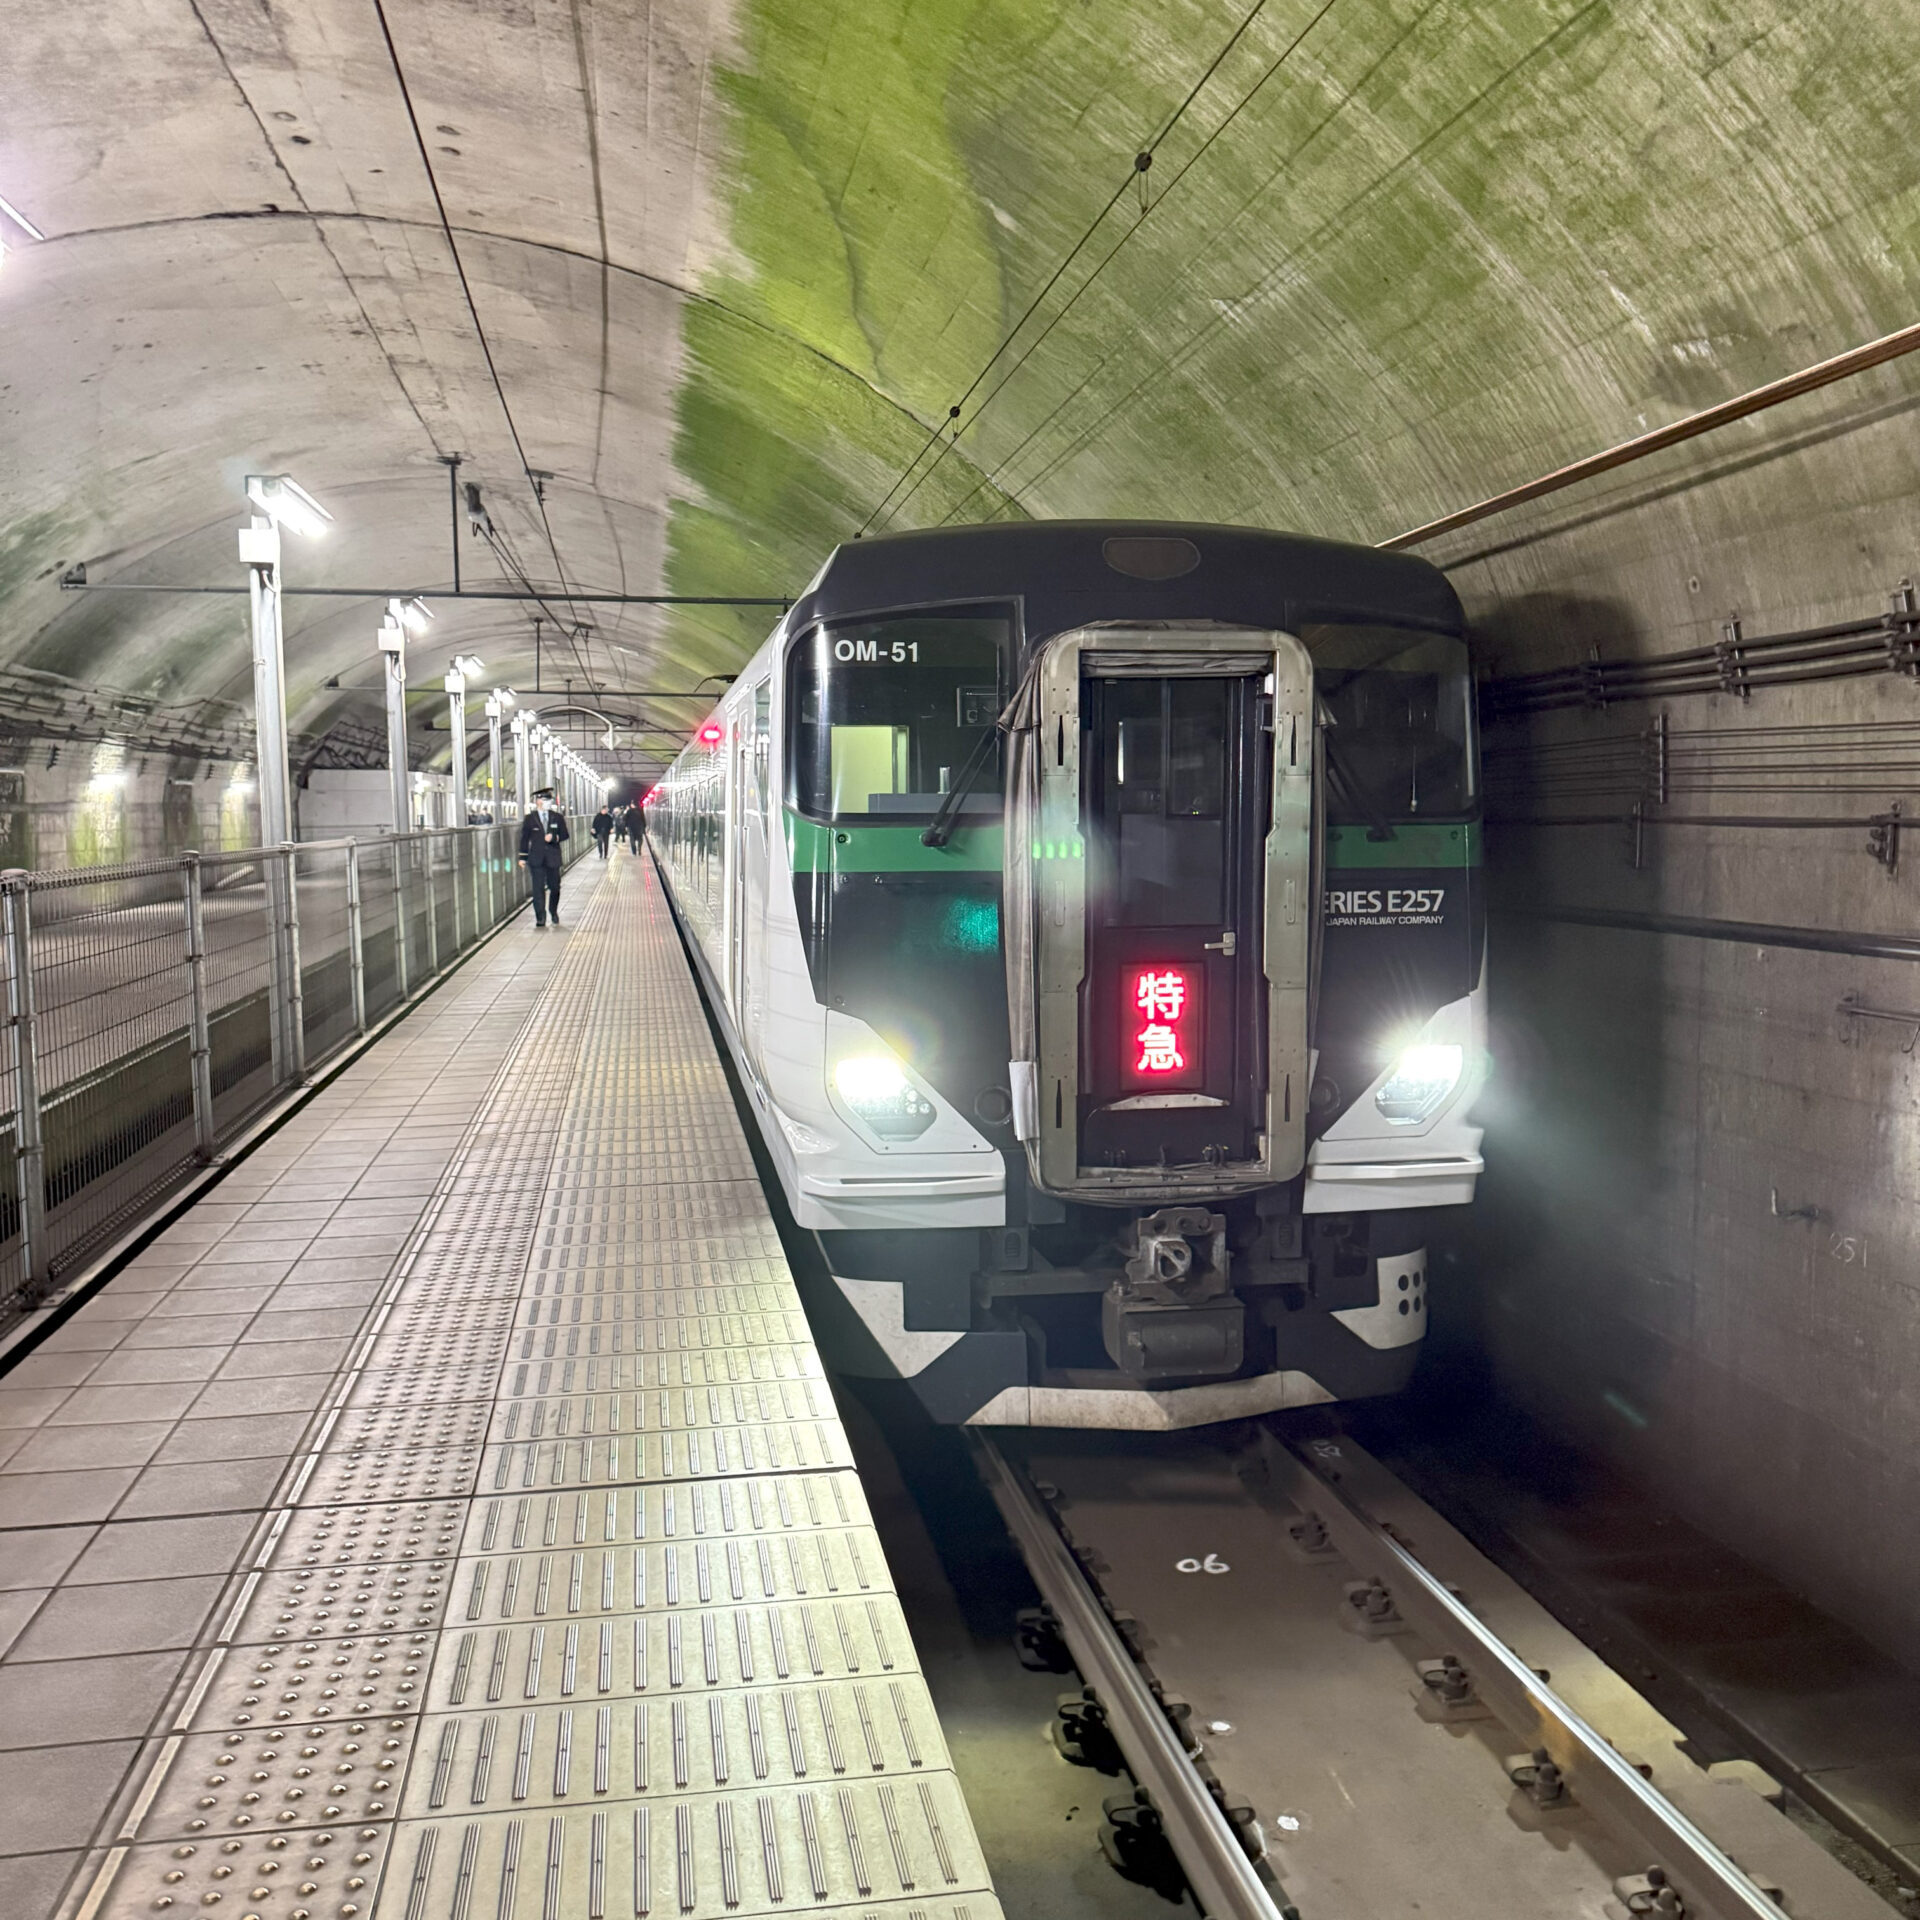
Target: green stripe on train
x,y
1425,843
853,849
814,848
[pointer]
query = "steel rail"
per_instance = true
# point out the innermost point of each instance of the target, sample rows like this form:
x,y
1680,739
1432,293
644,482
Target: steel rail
x,y
1824,373
1601,1779
1223,1878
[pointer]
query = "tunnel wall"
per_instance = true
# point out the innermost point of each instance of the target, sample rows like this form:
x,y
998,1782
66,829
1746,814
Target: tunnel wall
x,y
1696,1247
1390,256
67,804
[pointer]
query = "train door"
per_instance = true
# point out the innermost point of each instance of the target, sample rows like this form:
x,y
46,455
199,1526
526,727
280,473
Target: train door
x,y
732,850
1178,792
752,867
1160,868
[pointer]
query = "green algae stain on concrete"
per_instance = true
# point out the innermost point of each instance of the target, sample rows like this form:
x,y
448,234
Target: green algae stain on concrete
x,y
865,289
1436,247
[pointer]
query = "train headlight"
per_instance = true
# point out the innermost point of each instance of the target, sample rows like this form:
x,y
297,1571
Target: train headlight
x,y
1421,1079
876,1092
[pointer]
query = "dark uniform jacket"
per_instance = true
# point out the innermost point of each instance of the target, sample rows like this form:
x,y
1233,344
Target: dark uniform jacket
x,y
536,849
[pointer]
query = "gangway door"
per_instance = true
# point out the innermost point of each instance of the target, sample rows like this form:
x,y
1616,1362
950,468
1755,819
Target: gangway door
x,y
1160,894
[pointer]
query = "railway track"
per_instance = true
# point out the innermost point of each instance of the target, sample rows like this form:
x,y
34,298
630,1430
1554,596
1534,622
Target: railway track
x,y
1336,1708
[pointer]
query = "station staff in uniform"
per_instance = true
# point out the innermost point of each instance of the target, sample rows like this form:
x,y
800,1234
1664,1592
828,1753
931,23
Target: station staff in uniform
x,y
542,834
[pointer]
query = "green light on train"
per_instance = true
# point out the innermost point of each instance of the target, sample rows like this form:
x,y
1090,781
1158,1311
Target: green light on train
x,y
973,926
1071,848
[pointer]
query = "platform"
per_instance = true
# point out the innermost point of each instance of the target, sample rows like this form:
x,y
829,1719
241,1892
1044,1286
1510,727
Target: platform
x,y
448,1519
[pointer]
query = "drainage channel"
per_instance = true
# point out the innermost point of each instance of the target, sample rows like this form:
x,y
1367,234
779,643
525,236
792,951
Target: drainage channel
x,y
1333,1705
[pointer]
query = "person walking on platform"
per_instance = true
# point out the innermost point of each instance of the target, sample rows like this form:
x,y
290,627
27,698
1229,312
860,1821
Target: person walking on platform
x,y
603,828
542,834
636,827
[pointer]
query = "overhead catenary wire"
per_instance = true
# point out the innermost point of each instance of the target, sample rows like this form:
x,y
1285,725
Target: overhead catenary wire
x,y
1142,162
1186,166
1334,222
466,287
1100,366
504,553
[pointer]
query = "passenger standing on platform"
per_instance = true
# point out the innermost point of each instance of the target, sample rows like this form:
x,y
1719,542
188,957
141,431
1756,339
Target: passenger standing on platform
x,y
542,834
603,828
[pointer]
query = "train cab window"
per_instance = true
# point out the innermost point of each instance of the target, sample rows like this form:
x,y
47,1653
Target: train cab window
x,y
1165,750
884,716
1398,725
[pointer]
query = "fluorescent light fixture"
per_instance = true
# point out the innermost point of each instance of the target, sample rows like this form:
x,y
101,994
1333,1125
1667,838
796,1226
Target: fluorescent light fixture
x,y
19,219
506,696
287,503
1421,1079
415,615
466,663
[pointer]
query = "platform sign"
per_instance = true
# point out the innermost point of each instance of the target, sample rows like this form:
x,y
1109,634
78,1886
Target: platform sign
x,y
1163,1041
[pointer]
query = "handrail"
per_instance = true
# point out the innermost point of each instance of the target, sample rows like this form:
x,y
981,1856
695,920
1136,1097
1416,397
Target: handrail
x,y
38,877
154,1007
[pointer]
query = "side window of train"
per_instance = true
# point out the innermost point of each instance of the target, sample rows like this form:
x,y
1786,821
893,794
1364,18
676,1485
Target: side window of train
x,y
757,764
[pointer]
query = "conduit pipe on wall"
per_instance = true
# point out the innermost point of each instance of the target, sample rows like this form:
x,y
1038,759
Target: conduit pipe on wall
x,y
1737,664
1746,933
1874,353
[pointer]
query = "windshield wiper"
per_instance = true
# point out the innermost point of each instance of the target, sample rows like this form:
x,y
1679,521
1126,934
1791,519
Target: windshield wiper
x,y
941,828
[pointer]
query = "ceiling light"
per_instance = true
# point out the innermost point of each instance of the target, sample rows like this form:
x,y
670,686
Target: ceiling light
x,y
415,615
287,503
467,663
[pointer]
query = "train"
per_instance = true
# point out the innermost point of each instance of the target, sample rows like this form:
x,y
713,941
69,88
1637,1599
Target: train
x,y
1093,914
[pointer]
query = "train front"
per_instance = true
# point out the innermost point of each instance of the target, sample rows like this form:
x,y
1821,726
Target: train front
x,y
1240,935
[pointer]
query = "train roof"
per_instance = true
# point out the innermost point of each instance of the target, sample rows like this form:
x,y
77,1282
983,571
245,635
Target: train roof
x,y
1067,572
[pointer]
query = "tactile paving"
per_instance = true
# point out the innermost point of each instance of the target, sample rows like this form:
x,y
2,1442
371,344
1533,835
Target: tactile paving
x,y
691,1648
766,1503
319,1773
365,1534
392,1473
283,1681
394,1596
327,1875
905,1849
576,1608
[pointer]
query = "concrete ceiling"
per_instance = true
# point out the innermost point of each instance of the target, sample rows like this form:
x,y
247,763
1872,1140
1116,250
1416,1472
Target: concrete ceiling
x,y
720,271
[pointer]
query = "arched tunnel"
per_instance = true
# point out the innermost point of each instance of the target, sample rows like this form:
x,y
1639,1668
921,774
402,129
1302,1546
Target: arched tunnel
x,y
601,324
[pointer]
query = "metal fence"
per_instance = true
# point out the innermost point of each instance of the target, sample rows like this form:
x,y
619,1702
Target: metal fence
x,y
153,1010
